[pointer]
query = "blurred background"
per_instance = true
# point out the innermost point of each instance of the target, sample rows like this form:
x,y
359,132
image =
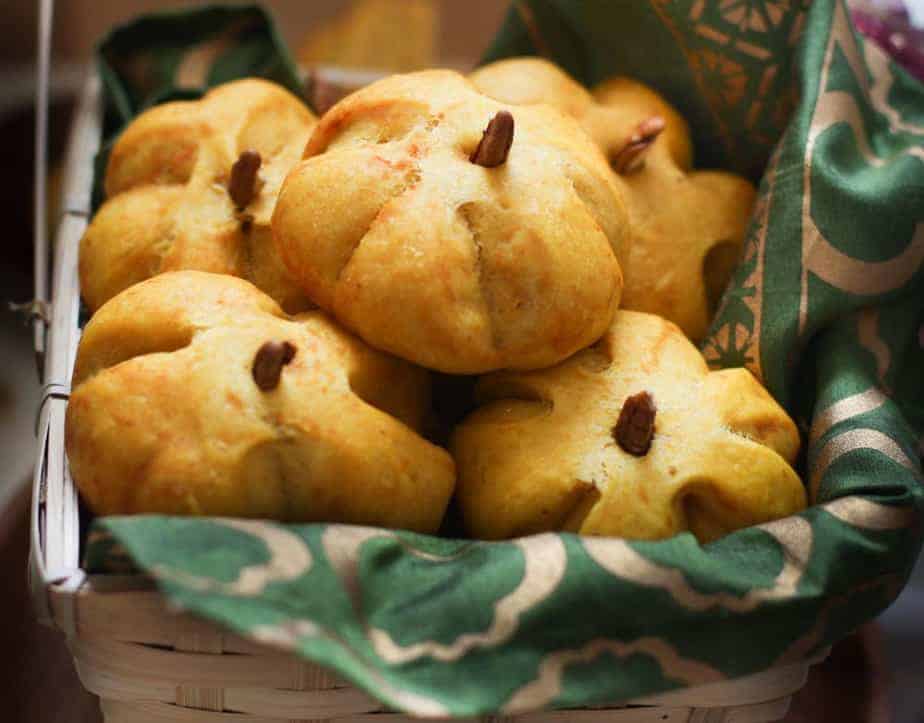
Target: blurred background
x,y
875,676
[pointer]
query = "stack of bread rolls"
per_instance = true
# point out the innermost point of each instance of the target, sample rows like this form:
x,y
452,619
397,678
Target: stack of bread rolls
x,y
273,296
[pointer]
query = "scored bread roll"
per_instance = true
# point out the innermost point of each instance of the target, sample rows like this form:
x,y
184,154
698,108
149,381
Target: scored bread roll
x,y
195,394
688,226
633,438
192,185
452,230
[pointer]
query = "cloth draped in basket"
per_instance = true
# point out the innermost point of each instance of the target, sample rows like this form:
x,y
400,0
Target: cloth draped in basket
x,y
826,308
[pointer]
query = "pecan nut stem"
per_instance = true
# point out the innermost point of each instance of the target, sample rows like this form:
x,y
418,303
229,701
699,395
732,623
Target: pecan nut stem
x,y
267,366
242,186
634,429
631,156
495,143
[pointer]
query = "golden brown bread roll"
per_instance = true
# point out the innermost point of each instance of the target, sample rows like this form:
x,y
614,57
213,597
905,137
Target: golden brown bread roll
x,y
457,266
562,449
194,393
170,204
688,226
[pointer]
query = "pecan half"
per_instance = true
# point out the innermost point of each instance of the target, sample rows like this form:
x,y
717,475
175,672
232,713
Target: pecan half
x,y
243,183
269,361
632,155
495,144
634,429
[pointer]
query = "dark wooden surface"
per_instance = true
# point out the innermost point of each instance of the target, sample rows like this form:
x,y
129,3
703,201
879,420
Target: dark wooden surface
x,y
851,686
37,683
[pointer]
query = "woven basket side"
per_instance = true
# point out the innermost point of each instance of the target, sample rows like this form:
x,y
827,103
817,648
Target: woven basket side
x,y
149,662
130,610
146,712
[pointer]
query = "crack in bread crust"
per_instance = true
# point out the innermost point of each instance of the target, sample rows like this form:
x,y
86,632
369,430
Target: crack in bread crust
x,y
410,182
584,497
464,212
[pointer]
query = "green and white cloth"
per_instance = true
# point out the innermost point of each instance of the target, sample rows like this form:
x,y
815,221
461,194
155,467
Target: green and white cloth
x,y
827,309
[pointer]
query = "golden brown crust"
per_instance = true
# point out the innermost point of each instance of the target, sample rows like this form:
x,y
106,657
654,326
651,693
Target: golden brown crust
x,y
540,454
608,115
168,204
166,415
531,81
622,103
673,271
688,228
389,226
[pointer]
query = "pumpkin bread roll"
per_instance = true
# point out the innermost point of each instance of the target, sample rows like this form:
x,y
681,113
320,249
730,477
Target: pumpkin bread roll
x,y
454,231
192,185
632,437
195,394
688,226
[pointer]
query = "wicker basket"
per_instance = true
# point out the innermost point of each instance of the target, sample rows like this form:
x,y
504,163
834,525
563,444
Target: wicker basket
x,y
147,662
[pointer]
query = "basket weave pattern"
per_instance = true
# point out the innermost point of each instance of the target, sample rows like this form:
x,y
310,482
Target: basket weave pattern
x,y
148,663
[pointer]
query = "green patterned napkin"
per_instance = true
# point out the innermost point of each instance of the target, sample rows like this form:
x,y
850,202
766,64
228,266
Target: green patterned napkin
x,y
827,308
